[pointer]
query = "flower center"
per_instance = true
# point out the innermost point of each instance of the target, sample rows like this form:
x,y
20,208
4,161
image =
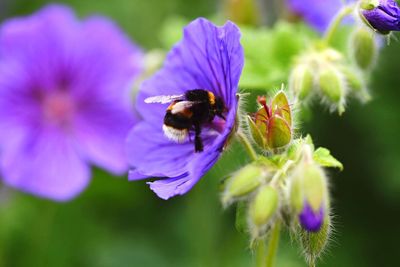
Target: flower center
x,y
58,108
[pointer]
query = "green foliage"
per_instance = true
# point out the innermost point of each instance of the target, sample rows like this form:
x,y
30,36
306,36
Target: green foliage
x,y
171,32
324,158
241,217
269,54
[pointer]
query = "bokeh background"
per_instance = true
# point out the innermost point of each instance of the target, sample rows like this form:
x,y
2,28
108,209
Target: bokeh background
x,y
120,223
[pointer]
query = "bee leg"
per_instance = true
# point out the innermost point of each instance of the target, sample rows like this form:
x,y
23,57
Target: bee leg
x,y
221,116
198,143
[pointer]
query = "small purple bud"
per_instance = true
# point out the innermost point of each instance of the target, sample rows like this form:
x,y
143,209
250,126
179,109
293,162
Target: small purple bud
x,y
311,221
384,17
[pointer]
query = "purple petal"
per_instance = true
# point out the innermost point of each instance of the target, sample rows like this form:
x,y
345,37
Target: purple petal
x,y
55,23
170,187
311,220
153,155
111,66
208,57
46,164
101,129
71,77
316,13
385,17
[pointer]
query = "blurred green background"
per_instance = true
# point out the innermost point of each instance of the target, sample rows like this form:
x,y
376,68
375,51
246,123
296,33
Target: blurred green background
x,y
120,223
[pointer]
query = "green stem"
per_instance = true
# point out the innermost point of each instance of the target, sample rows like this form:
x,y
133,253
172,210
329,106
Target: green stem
x,y
346,10
260,253
247,145
273,245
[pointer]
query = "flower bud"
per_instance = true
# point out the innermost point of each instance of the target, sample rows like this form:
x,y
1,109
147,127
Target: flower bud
x,y
333,86
301,81
363,48
314,185
353,79
382,16
308,195
271,125
313,243
311,220
243,182
264,205
279,133
356,83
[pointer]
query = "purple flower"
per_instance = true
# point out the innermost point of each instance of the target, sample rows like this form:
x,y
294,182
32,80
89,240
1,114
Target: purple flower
x,y
317,13
63,100
385,17
311,220
209,58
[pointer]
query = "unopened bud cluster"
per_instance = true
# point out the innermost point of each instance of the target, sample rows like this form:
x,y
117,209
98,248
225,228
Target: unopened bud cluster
x,y
325,73
317,72
290,188
271,125
252,184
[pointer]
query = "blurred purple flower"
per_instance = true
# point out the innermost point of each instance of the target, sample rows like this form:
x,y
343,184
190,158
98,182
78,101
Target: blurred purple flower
x,y
209,58
64,100
317,13
385,17
310,220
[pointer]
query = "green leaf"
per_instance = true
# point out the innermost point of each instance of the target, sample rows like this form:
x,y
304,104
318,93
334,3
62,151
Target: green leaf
x,y
271,163
324,158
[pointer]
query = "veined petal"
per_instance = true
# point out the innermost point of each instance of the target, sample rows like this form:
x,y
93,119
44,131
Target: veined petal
x,y
210,58
153,155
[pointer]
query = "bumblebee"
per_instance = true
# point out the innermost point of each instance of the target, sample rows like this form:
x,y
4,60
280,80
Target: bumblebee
x,y
189,112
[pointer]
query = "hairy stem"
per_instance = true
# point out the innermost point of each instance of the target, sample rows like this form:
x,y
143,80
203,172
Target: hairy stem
x,y
260,253
247,145
330,33
273,245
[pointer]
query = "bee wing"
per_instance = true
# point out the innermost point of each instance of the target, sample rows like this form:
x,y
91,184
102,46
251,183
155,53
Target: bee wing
x,y
163,99
181,106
